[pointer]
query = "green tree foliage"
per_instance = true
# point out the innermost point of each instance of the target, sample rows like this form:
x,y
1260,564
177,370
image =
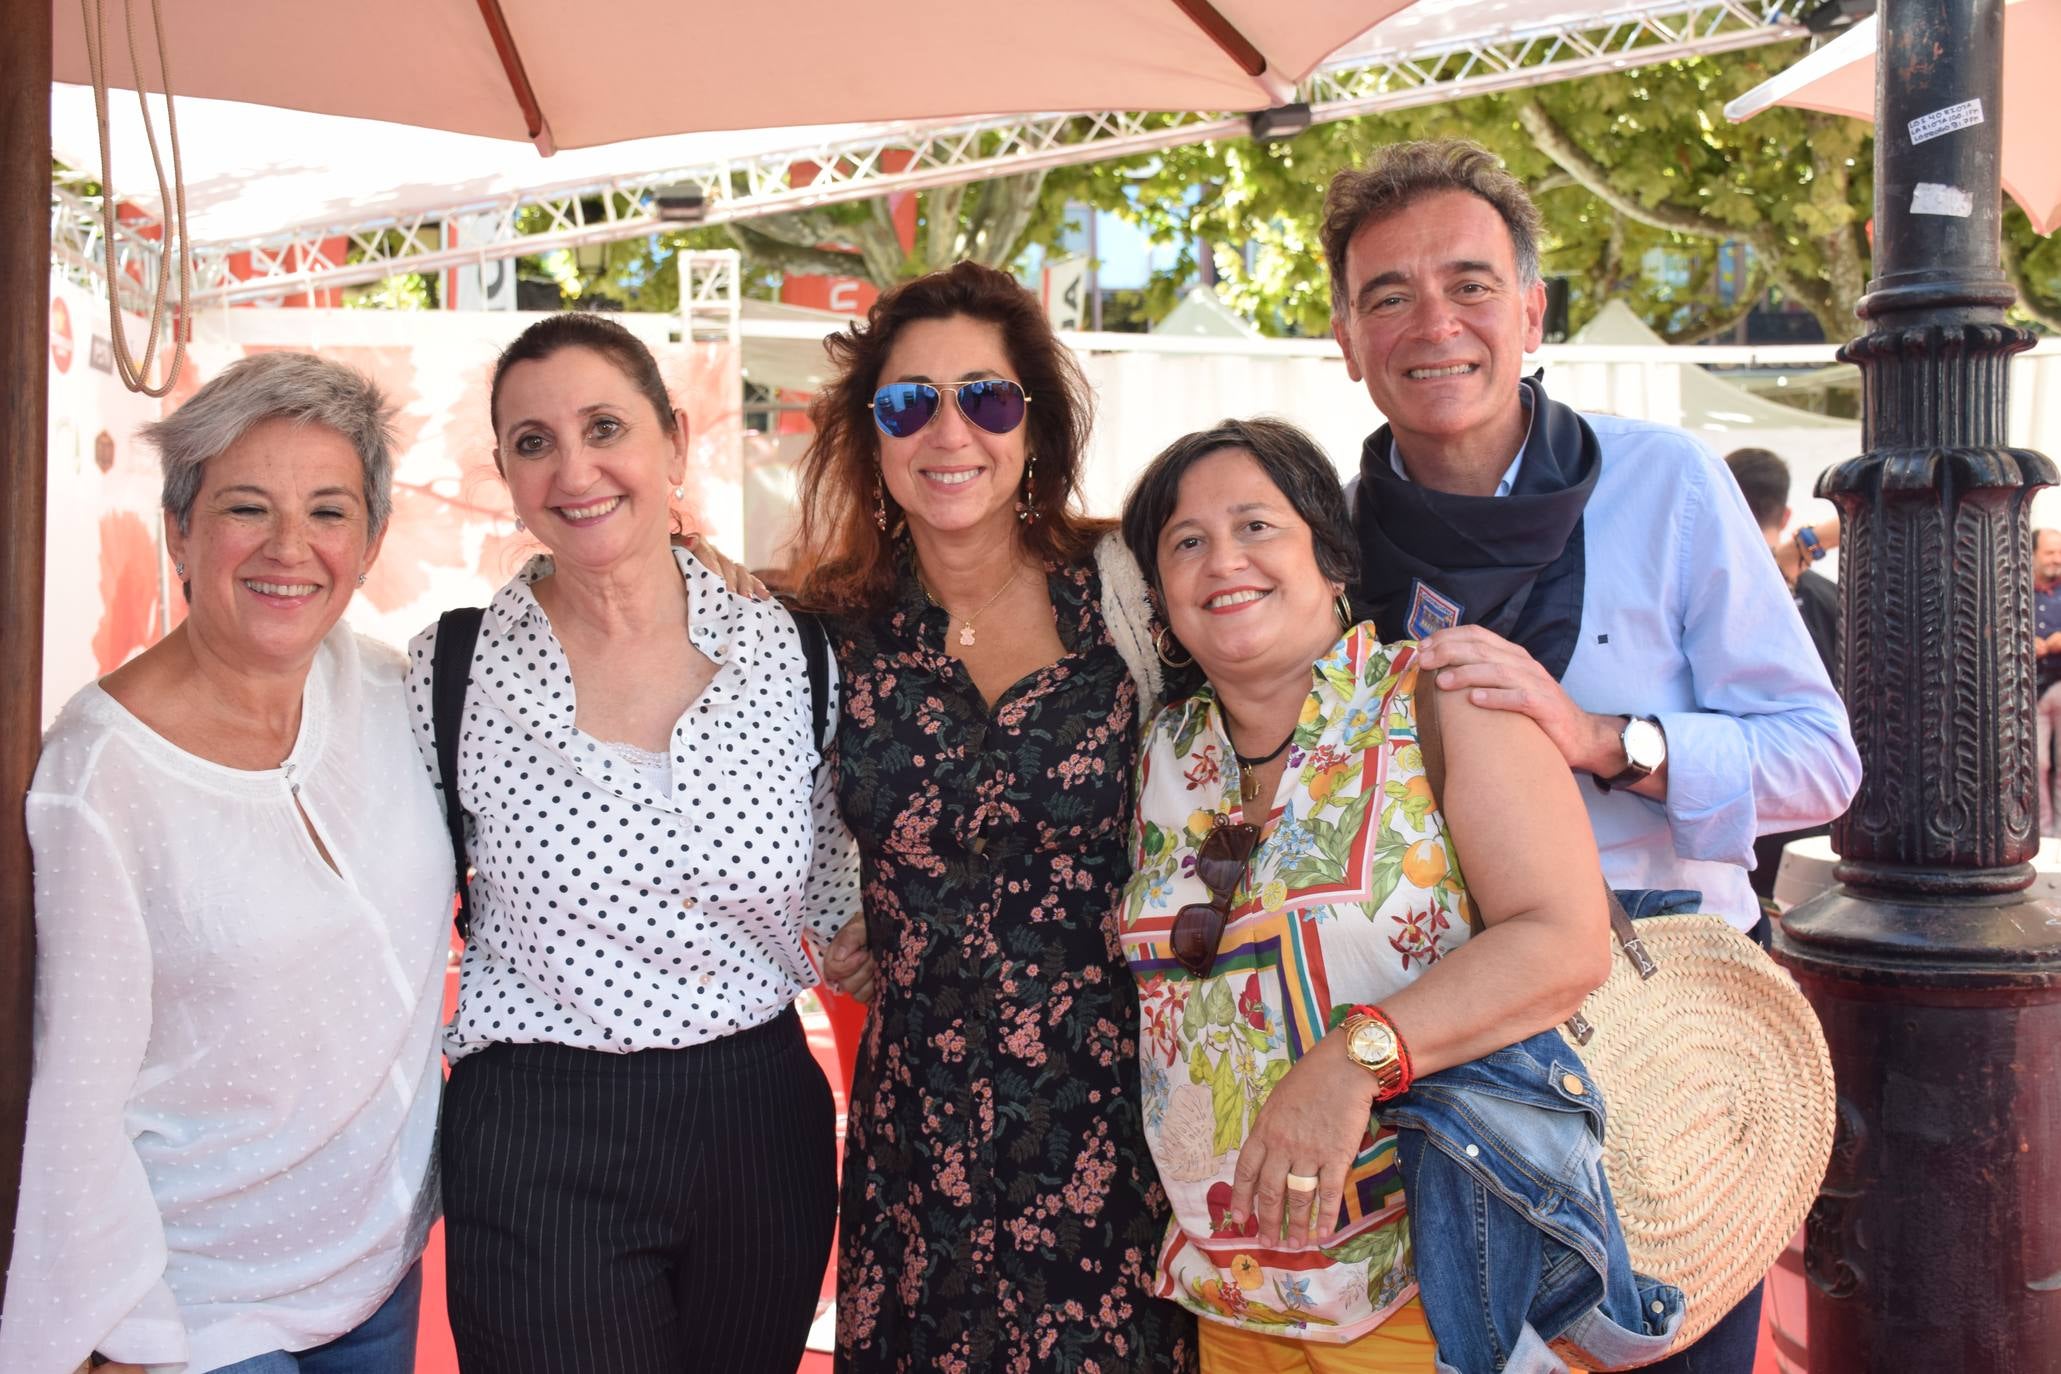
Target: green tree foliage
x,y
1629,169
1620,165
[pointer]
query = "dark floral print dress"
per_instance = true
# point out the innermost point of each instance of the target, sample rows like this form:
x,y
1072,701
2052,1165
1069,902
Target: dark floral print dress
x,y
1000,1207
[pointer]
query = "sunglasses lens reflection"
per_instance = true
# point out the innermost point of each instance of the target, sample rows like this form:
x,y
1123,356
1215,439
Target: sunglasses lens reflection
x,y
996,406
902,408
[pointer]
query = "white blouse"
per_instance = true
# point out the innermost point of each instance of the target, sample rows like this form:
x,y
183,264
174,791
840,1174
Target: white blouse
x,y
616,907
233,1109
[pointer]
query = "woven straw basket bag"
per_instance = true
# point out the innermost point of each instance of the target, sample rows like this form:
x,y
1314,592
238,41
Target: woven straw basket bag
x,y
1718,1092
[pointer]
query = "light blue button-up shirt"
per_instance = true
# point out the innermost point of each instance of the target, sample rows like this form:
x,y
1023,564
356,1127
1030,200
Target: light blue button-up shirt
x,y
1685,618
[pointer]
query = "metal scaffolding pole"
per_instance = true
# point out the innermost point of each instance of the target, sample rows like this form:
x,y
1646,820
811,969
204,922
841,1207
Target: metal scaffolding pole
x,y
1936,1243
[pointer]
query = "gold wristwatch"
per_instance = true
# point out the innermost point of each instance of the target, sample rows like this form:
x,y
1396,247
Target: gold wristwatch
x,y
1372,1043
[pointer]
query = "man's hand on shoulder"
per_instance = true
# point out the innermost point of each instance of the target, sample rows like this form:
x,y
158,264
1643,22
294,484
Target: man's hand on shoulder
x,y
1505,677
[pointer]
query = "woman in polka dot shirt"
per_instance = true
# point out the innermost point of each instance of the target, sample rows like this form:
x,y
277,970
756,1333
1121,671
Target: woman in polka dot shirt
x,y
243,899
637,1146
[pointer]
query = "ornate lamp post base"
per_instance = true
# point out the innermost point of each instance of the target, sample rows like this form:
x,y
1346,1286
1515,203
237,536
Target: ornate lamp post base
x,y
1936,1243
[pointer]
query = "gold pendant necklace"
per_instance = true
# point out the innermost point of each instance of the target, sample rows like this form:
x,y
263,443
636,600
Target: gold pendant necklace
x,y
966,630
1248,769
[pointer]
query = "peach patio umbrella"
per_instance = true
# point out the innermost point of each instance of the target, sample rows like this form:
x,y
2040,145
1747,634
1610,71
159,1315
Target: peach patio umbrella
x,y
566,75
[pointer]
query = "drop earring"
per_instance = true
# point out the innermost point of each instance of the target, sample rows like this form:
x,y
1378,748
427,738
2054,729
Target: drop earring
x,y
879,505
1027,504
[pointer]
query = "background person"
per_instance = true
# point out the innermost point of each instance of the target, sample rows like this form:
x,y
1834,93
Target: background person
x,y
1343,905
2046,623
1000,1206
1763,480
242,907
638,1148
1599,575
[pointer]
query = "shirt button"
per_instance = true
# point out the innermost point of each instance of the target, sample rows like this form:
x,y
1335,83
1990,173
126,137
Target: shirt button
x,y
1572,1084
687,903
1474,1151
979,844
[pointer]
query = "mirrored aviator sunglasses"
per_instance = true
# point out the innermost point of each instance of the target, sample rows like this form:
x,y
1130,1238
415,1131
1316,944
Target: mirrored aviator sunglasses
x,y
994,404
1220,863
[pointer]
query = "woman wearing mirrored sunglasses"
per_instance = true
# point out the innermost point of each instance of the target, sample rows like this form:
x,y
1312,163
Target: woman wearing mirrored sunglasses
x,y
999,1209
1294,919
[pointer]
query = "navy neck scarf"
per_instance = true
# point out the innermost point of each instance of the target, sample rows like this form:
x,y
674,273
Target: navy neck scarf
x,y
1513,563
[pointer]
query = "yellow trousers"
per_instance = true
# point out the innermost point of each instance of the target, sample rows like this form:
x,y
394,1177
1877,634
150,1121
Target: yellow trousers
x,y
1400,1345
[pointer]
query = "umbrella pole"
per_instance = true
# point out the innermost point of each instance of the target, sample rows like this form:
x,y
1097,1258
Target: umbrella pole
x,y
24,382
1936,1243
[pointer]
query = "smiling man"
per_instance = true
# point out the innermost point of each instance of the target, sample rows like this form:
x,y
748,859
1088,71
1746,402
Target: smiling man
x,y
1598,574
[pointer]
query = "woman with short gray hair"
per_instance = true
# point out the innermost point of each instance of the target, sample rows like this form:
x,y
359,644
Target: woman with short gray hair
x,y
242,891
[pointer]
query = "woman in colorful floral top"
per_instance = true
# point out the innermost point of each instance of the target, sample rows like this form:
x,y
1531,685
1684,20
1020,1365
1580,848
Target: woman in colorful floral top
x,y
1000,1209
1343,903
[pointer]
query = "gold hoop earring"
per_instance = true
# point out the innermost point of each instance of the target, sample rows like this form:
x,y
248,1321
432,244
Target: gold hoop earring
x,y
1345,612
1160,639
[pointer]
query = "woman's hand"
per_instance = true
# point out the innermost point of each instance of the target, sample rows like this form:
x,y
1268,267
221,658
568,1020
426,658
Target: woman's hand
x,y
1311,1124
848,963
735,575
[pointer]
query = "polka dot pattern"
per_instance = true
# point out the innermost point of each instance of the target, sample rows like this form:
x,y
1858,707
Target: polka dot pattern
x,y
622,906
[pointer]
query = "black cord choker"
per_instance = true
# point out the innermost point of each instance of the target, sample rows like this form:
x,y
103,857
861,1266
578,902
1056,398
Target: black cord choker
x,y
1248,769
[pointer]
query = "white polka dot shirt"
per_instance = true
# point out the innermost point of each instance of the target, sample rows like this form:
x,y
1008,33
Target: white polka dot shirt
x,y
235,1086
617,908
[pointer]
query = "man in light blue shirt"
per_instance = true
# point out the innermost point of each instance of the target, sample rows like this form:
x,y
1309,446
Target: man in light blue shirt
x,y
1601,575
1605,572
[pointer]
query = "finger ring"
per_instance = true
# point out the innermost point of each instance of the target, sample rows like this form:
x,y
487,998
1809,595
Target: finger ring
x,y
1301,1183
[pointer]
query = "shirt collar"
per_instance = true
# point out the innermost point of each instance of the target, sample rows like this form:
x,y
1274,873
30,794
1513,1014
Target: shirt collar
x,y
712,610
1509,479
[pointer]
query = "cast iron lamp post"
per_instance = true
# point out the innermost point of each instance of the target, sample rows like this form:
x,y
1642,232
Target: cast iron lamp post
x,y
1937,1241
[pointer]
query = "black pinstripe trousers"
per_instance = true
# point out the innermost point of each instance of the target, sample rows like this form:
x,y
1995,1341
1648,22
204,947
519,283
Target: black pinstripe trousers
x,y
646,1213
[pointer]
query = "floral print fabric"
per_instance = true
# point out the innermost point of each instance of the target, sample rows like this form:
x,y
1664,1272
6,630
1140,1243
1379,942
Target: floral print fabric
x,y
1000,1209
1351,894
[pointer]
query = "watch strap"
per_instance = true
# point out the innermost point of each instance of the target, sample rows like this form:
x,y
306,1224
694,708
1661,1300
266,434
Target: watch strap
x,y
1392,1079
1633,771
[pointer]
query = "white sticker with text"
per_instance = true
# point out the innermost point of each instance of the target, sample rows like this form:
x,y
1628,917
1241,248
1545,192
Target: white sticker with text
x,y
1953,117
1931,198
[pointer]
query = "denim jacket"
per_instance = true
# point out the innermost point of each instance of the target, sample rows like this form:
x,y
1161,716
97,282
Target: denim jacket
x,y
1519,1249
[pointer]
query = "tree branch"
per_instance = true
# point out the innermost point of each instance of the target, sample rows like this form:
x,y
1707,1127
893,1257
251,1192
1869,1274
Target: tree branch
x,y
1593,177
766,250
1006,206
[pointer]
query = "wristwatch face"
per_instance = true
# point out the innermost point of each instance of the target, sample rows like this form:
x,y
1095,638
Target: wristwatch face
x,y
1644,746
1372,1043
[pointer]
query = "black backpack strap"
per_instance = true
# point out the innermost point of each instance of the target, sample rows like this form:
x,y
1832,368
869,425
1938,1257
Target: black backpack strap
x,y
450,675
815,642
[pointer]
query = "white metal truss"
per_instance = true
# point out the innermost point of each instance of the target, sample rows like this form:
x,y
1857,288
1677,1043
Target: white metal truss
x,y
711,296
1360,81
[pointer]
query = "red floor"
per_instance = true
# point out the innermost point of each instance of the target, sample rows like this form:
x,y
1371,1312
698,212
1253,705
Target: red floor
x,y
434,1353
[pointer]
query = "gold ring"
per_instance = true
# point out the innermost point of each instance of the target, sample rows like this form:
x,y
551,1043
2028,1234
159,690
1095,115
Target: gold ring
x,y
1301,1183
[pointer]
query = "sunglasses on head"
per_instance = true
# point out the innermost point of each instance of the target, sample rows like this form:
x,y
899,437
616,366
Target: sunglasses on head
x,y
1220,863
992,403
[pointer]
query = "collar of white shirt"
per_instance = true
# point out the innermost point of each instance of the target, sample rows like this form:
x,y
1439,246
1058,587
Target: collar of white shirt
x,y
713,623
1509,481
